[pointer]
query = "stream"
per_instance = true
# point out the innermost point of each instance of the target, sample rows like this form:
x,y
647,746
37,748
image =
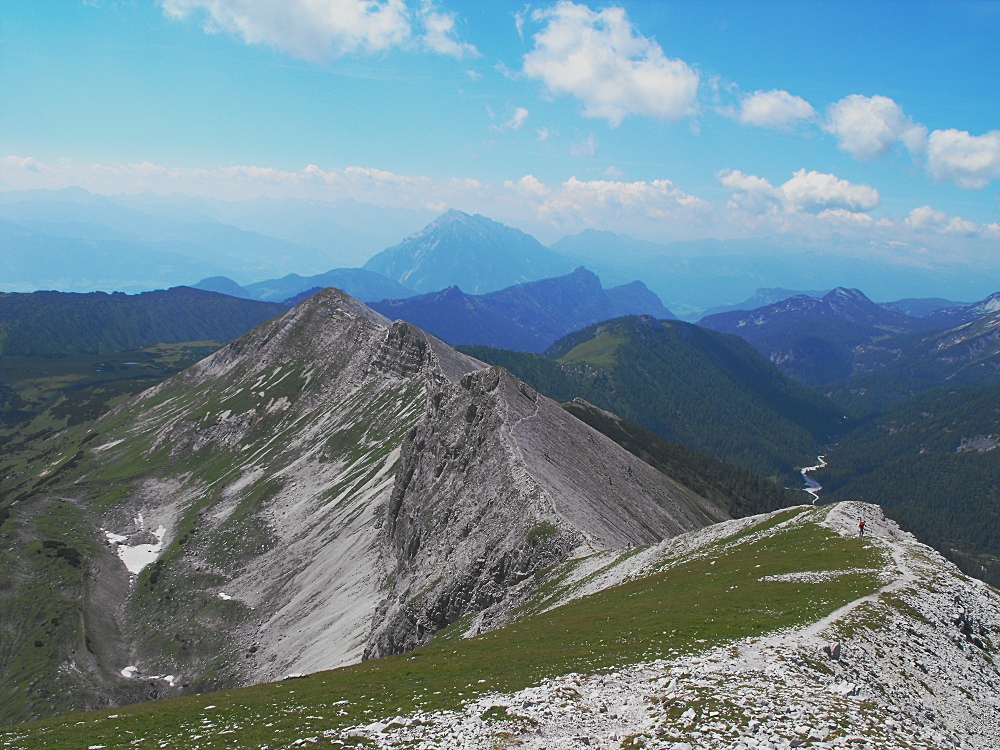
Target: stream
x,y
812,486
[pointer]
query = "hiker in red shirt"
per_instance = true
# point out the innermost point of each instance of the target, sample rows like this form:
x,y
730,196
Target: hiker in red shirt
x,y
861,527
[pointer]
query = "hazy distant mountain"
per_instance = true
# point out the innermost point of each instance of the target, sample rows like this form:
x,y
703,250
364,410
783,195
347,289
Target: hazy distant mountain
x,y
347,231
815,340
693,276
100,323
34,260
763,297
360,283
959,314
921,307
240,253
708,391
474,253
524,317
223,285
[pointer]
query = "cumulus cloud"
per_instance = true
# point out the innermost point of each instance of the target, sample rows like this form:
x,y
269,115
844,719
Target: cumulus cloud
x,y
319,29
969,161
773,109
927,219
599,58
869,126
813,192
440,34
595,202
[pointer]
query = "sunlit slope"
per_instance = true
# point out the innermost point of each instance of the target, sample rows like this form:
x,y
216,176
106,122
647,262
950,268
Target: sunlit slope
x,y
780,630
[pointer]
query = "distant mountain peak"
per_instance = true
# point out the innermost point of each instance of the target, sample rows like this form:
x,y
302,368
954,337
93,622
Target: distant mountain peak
x,y
847,293
474,252
451,216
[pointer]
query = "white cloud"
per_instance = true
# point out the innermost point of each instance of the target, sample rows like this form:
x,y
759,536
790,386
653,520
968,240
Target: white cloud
x,y
597,202
969,161
517,119
751,193
529,185
927,219
773,109
319,29
843,216
440,34
543,134
813,192
515,122
598,57
868,127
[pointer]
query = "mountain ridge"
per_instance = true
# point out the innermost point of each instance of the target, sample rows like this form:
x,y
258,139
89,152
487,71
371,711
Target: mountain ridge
x,y
525,317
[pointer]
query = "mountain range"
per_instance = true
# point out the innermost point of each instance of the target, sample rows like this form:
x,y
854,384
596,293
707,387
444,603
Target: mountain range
x,y
868,355
813,339
366,286
525,317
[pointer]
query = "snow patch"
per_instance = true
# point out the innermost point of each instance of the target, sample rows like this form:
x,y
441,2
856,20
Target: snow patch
x,y
138,557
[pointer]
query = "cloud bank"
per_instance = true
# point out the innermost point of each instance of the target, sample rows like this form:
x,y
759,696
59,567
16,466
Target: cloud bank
x,y
809,203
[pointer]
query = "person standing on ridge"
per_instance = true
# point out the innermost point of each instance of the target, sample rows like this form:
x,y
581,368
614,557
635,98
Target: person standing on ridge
x,y
861,527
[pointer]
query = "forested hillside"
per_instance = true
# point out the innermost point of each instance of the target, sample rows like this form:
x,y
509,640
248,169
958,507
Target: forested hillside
x,y
932,463
738,491
48,323
708,391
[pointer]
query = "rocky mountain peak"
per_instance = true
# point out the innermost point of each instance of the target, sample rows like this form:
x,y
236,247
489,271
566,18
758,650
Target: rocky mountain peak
x,y
347,486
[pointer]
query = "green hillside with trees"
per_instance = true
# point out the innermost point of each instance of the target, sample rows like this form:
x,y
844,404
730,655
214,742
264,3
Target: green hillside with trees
x,y
57,323
708,391
932,463
739,491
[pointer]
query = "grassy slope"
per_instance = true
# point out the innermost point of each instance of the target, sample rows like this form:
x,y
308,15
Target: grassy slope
x,y
684,607
47,543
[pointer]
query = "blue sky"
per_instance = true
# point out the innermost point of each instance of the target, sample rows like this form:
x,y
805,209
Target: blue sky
x,y
667,120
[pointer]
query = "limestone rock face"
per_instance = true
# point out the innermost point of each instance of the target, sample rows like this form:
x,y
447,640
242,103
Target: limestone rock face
x,y
333,485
